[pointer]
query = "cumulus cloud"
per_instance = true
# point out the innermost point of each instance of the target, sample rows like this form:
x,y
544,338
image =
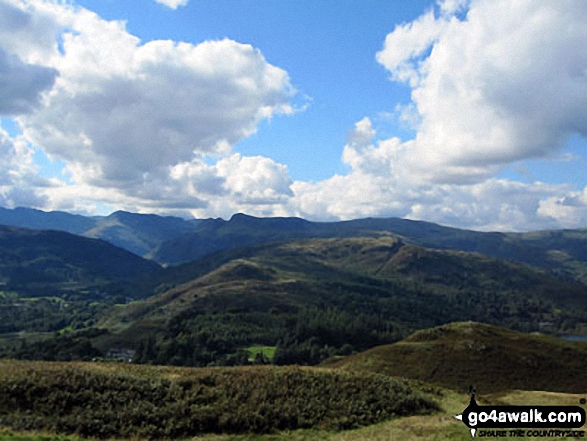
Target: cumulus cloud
x,y
30,31
126,115
405,47
173,4
127,110
255,180
568,211
22,82
378,186
507,82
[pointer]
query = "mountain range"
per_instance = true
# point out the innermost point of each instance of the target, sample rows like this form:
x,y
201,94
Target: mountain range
x,y
137,233
173,240
203,291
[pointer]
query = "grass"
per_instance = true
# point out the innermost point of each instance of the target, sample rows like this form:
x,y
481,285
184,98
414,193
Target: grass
x,y
7,435
440,426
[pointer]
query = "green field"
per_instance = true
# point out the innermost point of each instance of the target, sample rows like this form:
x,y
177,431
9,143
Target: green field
x,y
267,352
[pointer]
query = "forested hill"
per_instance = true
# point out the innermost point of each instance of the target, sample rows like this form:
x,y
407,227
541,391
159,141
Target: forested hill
x,y
29,257
319,297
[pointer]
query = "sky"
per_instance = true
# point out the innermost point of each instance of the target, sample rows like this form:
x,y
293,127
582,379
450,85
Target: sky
x,y
468,113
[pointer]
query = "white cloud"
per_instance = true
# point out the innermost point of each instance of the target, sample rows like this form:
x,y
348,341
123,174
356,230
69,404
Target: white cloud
x,y
19,182
406,46
493,82
569,211
378,186
173,4
506,83
255,180
31,30
125,115
363,156
451,7
128,110
21,82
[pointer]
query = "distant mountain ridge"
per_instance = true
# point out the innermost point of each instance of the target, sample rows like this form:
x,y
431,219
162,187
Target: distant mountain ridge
x,y
564,251
137,233
173,240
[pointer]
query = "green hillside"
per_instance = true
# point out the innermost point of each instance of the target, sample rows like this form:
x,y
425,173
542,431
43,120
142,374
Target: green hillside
x,y
438,426
320,297
565,249
492,359
35,256
51,280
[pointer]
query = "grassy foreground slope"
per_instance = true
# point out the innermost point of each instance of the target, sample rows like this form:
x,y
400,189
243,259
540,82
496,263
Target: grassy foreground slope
x,y
490,358
439,426
119,400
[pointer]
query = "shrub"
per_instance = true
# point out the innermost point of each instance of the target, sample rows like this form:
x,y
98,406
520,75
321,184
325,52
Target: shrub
x,y
106,400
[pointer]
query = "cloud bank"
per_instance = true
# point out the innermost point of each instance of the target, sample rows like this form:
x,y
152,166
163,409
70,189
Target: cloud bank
x,y
151,126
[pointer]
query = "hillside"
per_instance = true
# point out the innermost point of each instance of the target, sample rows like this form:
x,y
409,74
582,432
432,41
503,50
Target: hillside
x,y
139,233
564,249
319,297
52,280
491,358
437,426
559,251
35,256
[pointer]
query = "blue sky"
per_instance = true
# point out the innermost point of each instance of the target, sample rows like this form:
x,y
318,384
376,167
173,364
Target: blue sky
x,y
462,112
